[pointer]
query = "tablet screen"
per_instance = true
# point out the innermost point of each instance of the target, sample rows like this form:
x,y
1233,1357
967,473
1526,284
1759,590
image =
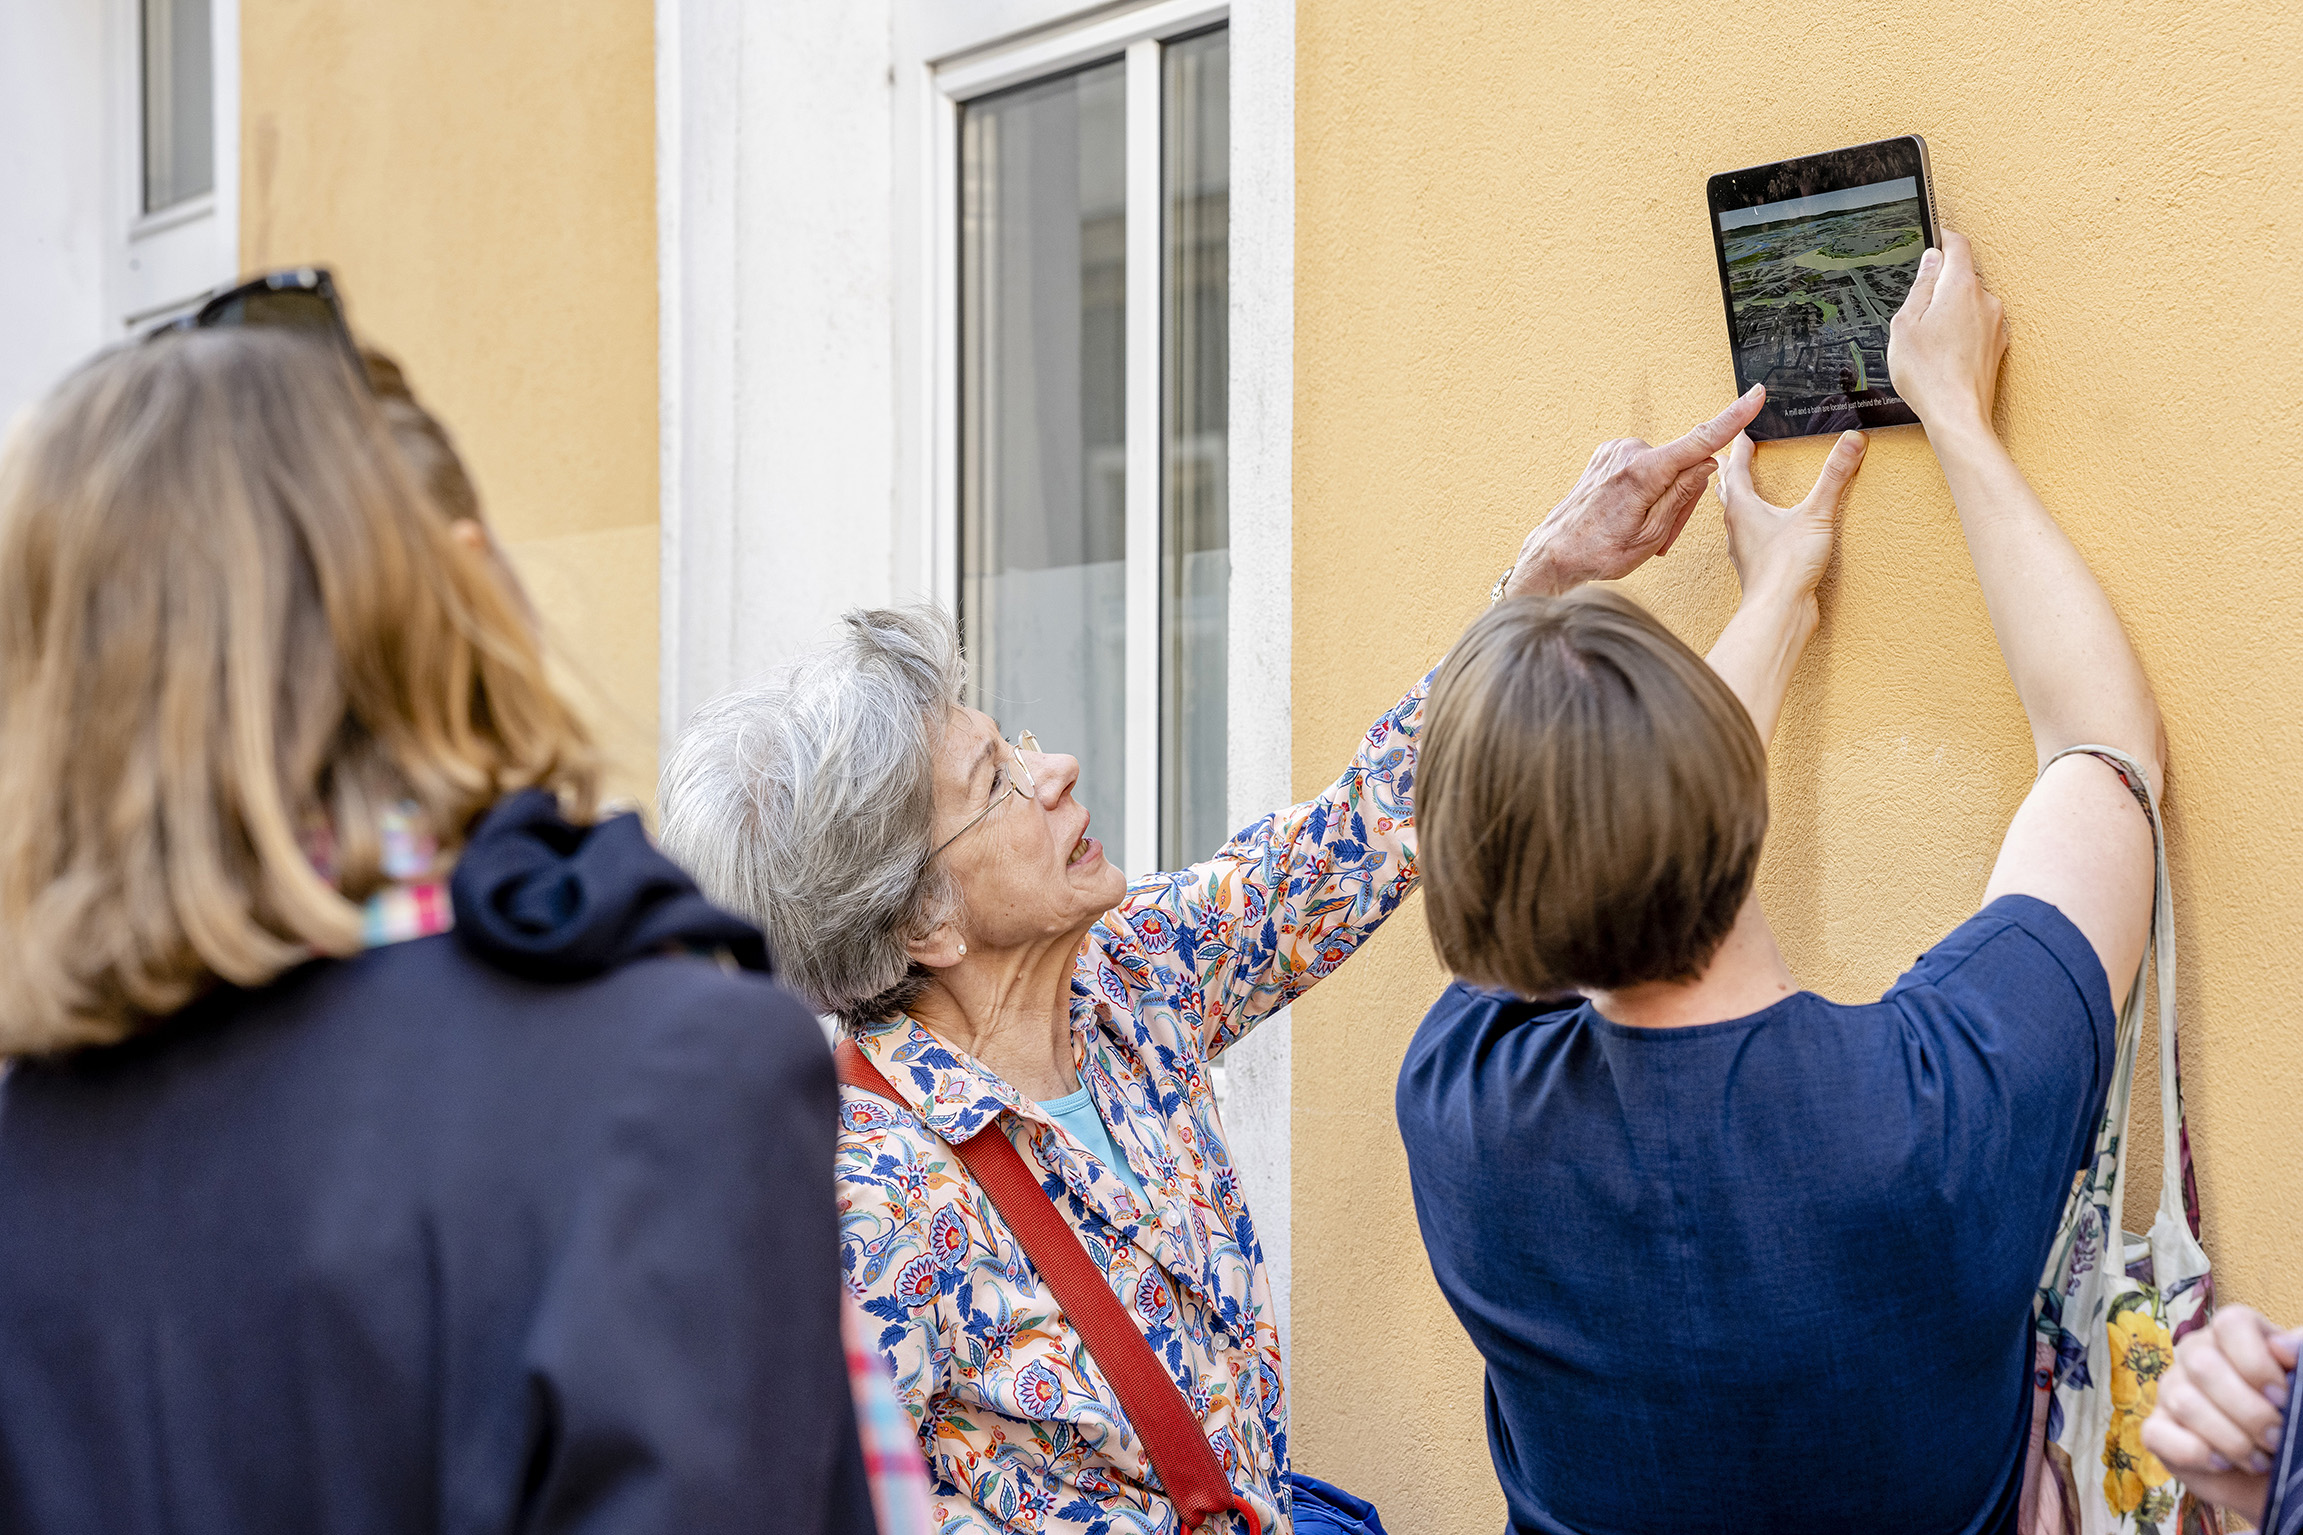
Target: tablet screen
x,y
1813,282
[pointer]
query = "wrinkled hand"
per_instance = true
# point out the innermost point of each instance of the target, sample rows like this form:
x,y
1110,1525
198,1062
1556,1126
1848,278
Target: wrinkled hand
x,y
1630,503
1944,345
2221,1404
1779,552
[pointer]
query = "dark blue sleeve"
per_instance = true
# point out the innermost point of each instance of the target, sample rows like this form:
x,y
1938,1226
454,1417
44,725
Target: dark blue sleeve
x,y
2020,948
2012,1024
686,1363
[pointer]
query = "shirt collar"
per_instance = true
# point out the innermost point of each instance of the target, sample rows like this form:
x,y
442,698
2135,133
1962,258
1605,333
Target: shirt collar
x,y
952,1092
955,1095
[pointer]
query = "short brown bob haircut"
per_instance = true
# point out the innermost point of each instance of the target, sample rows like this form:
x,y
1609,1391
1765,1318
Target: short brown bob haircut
x,y
234,632
1591,799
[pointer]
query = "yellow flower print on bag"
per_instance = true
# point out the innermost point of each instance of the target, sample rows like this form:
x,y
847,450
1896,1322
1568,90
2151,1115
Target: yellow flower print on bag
x,y
2132,1475
2141,1350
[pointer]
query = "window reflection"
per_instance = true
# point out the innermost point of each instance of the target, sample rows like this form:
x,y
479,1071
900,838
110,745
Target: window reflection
x,y
179,103
1043,386
1043,492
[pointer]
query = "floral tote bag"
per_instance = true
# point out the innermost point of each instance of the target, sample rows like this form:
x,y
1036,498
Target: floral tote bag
x,y
2111,1304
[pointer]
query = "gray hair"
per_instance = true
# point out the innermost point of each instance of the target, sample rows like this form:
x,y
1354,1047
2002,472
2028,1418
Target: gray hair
x,y
807,803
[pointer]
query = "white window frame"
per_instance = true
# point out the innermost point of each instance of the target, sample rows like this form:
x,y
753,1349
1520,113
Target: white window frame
x,y
1138,37
160,262
939,66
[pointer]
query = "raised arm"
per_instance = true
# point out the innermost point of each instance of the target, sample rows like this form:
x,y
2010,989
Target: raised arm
x,y
2079,841
1293,895
1629,504
1779,554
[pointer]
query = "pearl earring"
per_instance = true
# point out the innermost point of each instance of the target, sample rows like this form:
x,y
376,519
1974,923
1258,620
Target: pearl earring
x,y
963,951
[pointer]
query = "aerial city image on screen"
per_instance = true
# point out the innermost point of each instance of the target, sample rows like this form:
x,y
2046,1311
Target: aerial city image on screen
x,y
1814,281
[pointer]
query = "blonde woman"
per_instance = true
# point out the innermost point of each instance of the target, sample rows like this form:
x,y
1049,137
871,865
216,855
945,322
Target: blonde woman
x,y
321,1208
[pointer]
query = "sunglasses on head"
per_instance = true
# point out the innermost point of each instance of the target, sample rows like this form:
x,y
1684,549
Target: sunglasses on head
x,y
303,298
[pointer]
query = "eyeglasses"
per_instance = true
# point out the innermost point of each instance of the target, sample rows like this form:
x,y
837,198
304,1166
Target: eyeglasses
x,y
1029,788
303,298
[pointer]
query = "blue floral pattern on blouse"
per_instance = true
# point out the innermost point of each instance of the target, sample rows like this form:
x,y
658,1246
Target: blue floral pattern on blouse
x,y
1020,1429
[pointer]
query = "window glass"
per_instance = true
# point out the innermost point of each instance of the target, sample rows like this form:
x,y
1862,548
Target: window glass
x,y
1043,503
179,103
1195,368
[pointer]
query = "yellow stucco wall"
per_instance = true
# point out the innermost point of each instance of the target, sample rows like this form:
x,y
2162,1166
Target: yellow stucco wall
x,y
482,180
1504,258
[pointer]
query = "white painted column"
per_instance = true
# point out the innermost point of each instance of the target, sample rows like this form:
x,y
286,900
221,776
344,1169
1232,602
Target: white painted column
x,y
698,92
774,132
55,236
1262,617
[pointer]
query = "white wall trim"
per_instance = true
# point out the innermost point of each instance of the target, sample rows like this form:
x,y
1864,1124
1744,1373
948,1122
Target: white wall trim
x,y
1262,620
698,132
225,15
927,411
57,238
775,364
998,64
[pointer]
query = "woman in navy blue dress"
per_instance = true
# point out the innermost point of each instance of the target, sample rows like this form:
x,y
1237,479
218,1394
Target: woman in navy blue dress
x,y
1738,1257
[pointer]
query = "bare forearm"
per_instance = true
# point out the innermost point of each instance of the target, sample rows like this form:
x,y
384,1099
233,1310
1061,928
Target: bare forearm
x,y
2073,669
1758,651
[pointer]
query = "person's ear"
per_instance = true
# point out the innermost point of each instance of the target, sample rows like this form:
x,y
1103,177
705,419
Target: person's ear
x,y
939,950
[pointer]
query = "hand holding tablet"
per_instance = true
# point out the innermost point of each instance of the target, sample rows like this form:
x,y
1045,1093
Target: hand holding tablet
x,y
1947,341
1816,255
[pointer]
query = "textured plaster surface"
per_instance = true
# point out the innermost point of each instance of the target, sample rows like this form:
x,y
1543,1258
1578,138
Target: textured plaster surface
x,y
1503,260
482,180
596,592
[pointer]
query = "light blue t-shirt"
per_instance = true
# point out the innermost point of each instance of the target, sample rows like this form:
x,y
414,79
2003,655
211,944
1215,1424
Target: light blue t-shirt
x,y
1076,1112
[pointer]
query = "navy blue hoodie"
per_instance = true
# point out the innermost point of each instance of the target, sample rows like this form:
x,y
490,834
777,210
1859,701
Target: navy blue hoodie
x,y
525,1227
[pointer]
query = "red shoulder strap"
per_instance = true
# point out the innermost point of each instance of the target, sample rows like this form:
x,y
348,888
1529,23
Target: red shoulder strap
x,y
1179,1450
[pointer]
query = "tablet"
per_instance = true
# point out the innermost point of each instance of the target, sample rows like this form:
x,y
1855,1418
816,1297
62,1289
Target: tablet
x,y
1815,256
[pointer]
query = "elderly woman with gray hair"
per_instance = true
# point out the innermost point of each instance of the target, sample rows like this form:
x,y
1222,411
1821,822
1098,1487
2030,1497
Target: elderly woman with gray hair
x,y
937,886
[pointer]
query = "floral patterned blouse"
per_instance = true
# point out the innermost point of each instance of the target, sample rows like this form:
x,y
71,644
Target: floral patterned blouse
x,y
1020,1429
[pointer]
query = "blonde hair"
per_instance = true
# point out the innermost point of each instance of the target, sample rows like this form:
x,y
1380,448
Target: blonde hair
x,y
231,623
